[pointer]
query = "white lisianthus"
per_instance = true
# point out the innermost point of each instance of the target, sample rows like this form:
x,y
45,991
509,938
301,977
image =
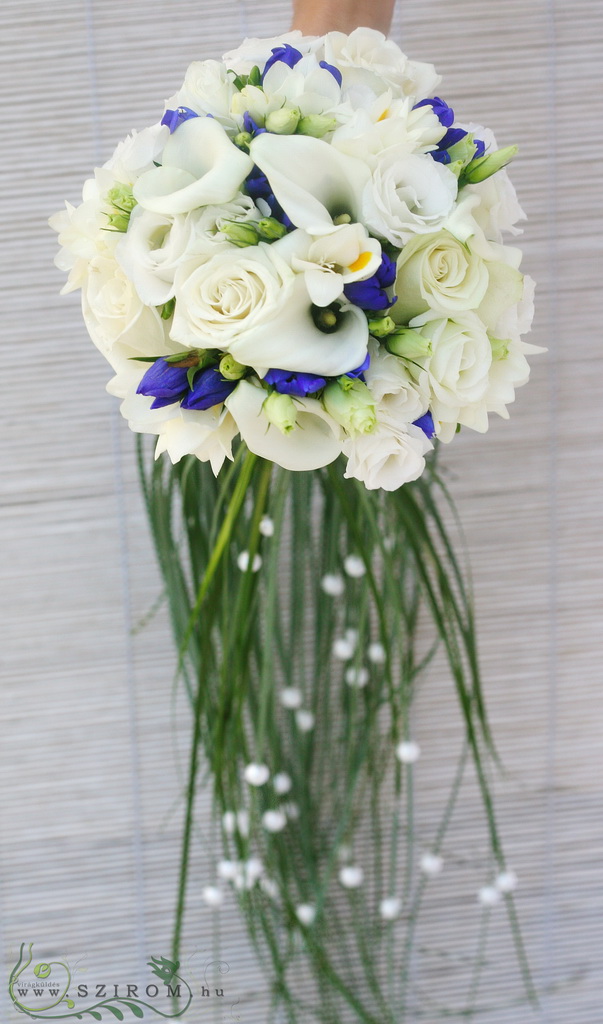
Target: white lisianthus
x,y
498,210
312,181
388,375
82,236
408,193
255,52
366,58
155,245
133,156
388,122
199,166
314,442
114,312
390,456
457,369
208,88
437,272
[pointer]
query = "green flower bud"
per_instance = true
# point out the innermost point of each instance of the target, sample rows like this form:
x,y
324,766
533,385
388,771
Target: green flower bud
x,y
230,368
316,125
270,227
122,198
240,233
194,357
456,167
351,404
167,309
382,327
500,347
463,150
283,121
409,344
118,221
486,166
280,411
242,140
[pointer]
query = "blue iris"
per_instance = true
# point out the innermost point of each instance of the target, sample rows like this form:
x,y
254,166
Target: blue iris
x,y
174,118
442,111
164,382
426,424
209,388
371,294
334,71
298,384
287,54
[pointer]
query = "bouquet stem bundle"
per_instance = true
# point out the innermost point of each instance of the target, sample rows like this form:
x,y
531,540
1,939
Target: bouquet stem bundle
x,y
268,574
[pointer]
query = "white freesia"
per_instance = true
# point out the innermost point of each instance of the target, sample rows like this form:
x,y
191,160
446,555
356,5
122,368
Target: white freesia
x,y
332,261
312,181
366,58
314,442
199,165
114,312
436,272
155,245
82,236
390,456
457,369
306,87
409,193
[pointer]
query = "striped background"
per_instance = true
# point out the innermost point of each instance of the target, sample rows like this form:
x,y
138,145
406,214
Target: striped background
x,y
92,737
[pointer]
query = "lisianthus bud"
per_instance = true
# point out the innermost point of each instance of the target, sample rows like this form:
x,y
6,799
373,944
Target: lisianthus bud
x,y
316,125
280,411
463,150
118,221
230,368
486,166
408,343
352,406
270,227
239,233
380,328
283,121
500,347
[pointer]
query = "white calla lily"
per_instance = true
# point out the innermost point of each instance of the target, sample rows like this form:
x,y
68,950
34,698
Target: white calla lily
x,y
313,182
200,165
314,442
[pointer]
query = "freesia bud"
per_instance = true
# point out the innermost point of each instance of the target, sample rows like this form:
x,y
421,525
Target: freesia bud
x,y
283,121
409,344
242,139
316,125
280,411
239,233
486,166
353,408
230,368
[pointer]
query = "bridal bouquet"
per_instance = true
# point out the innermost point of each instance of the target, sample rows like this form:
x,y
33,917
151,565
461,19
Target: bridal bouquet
x,y
300,267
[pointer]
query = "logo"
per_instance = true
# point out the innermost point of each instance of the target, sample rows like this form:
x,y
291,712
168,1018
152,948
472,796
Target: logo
x,y
45,991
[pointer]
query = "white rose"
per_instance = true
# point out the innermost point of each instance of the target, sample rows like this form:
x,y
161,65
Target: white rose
x,y
155,245
207,89
388,457
314,442
114,312
199,166
408,194
457,369
219,299
437,272
366,57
